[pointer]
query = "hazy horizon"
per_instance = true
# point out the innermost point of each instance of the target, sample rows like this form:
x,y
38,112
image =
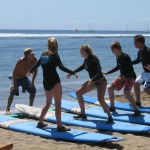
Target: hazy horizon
x,y
75,30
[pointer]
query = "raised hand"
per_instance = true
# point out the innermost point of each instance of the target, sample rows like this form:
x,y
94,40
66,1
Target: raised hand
x,y
75,75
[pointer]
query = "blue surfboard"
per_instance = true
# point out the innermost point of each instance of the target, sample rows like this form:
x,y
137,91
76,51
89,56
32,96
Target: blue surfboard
x,y
90,122
97,111
118,105
29,127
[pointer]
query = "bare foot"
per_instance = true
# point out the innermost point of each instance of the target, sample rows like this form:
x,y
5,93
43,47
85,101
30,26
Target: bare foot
x,y
8,112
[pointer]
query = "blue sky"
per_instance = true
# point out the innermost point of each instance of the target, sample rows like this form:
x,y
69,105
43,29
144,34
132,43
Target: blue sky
x,y
72,14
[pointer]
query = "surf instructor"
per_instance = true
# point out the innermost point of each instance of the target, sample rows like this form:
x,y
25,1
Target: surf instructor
x,y
49,61
20,78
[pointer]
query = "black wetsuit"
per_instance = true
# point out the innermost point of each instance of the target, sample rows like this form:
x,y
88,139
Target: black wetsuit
x,y
124,64
92,65
49,65
144,57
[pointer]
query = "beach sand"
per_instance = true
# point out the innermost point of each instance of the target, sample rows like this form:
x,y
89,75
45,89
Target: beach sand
x,y
23,141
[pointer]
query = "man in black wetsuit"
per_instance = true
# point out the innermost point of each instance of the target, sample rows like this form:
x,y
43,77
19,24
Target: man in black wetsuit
x,y
126,79
144,58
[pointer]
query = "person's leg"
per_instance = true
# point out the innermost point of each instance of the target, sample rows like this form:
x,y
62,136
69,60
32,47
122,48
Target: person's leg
x,y
127,92
139,81
31,97
26,83
117,84
101,89
111,96
49,96
57,91
11,97
128,96
137,92
82,90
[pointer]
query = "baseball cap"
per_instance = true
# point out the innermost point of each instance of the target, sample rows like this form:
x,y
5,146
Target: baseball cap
x,y
29,51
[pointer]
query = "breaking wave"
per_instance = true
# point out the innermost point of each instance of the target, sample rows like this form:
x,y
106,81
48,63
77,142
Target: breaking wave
x,y
22,35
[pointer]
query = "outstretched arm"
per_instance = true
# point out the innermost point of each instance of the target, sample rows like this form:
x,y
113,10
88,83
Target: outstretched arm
x,y
35,67
62,67
76,71
113,70
137,60
79,69
15,75
34,76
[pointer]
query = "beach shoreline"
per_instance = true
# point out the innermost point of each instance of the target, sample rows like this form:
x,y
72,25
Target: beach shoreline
x,y
23,141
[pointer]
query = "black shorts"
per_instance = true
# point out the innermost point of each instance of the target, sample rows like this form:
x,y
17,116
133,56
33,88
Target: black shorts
x,y
98,82
25,83
49,83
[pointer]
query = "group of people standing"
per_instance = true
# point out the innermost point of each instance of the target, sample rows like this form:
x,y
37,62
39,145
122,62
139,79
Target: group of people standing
x,y
50,60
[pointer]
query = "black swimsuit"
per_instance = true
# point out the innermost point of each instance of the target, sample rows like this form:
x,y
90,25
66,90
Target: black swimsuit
x,y
92,65
49,65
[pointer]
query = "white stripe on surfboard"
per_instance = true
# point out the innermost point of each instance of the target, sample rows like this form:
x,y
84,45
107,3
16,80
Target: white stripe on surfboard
x,y
6,124
78,109
97,102
33,111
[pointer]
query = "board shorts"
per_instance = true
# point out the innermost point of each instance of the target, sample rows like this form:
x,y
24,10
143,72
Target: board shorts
x,y
126,83
144,79
25,84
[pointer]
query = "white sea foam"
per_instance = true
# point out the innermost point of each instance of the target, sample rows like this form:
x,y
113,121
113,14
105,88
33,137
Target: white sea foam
x,y
67,35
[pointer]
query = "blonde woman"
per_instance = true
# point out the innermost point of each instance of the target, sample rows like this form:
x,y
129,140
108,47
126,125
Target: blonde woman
x,y
97,80
49,61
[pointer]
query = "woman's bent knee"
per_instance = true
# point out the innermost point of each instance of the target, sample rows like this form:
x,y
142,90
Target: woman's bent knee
x,y
78,93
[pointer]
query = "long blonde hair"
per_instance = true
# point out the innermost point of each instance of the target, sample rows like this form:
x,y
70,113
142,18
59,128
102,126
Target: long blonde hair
x,y
87,49
52,47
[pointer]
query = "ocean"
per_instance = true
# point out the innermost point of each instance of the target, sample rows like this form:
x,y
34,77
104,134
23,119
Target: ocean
x,y
13,42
